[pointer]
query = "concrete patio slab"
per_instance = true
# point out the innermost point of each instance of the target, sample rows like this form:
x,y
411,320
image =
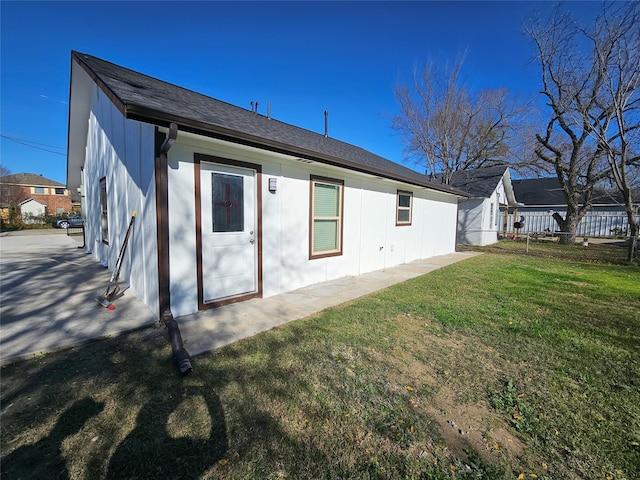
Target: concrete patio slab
x,y
206,331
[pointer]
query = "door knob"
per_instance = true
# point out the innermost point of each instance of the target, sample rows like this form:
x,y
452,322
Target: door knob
x,y
251,241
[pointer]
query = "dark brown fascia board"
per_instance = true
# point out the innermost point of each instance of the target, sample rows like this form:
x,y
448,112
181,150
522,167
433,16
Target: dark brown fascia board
x,y
159,118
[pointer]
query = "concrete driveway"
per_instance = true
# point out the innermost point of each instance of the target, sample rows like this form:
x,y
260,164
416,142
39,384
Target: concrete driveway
x,y
47,291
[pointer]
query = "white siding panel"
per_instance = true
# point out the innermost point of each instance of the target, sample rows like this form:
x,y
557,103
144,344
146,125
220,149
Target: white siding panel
x,y
122,151
373,228
272,207
182,229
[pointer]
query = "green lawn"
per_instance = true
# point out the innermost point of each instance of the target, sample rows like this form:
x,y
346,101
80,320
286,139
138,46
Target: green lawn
x,y
503,366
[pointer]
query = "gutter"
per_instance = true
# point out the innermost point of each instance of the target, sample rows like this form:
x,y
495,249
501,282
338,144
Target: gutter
x,y
163,145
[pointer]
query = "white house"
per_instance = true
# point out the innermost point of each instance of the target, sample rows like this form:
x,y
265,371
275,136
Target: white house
x,y
232,204
479,216
31,208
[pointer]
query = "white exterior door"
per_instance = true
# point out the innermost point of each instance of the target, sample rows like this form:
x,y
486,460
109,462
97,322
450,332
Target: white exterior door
x,y
229,239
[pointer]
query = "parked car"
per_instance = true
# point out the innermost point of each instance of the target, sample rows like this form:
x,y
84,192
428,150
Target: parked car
x,y
75,221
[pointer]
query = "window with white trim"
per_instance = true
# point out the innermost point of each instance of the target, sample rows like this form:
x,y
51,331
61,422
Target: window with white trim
x,y
104,218
404,206
326,216
491,224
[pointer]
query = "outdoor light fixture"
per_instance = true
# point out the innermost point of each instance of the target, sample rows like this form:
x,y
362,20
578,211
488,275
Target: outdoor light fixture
x,y
273,185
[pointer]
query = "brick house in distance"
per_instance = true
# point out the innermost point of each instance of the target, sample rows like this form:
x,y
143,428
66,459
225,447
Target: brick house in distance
x,y
18,188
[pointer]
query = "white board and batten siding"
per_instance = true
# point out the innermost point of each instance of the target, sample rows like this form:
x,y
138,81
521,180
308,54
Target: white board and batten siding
x,y
122,152
371,239
479,218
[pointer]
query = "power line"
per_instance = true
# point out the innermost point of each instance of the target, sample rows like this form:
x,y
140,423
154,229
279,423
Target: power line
x,y
32,144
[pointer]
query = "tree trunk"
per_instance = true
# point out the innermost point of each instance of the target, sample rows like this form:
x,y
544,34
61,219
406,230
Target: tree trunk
x,y
632,251
568,228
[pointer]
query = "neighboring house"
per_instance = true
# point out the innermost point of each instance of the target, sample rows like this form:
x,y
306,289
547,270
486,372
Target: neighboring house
x,y
544,196
19,187
31,208
479,216
231,204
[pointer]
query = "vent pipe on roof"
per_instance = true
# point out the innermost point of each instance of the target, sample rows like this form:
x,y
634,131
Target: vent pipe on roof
x,y
326,124
269,110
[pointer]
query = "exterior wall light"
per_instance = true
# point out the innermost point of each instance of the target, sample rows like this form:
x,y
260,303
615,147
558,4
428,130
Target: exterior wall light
x,y
273,185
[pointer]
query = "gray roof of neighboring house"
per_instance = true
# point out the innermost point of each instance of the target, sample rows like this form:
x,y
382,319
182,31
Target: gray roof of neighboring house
x,y
147,99
539,191
548,192
482,182
30,179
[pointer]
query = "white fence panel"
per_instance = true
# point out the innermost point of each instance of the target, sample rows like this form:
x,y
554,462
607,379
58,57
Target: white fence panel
x,y
593,224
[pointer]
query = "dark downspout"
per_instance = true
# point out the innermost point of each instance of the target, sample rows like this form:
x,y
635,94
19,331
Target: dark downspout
x,y
162,145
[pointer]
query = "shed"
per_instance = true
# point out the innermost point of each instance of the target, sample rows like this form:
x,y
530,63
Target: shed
x,y
479,216
232,204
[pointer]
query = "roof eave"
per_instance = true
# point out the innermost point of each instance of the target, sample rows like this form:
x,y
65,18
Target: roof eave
x,y
164,119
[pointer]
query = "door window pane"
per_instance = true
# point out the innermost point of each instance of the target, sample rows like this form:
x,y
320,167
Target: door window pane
x,y
228,206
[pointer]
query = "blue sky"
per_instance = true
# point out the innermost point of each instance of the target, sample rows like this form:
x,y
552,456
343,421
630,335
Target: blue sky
x,y
301,57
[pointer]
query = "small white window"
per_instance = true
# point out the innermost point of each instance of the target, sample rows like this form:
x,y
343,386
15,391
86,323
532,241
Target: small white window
x,y
404,205
104,218
491,213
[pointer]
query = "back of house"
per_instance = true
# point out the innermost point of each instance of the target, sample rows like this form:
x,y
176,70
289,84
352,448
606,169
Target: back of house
x,y
232,204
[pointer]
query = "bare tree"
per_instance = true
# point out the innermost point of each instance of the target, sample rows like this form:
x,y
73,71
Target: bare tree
x,y
10,194
616,38
574,63
447,127
10,197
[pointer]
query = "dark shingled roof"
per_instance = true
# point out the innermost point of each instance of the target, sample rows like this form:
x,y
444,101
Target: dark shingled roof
x,y
480,182
539,191
30,179
150,100
547,191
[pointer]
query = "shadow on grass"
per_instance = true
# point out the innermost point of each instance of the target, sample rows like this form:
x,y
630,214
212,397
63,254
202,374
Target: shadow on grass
x,y
136,416
42,459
